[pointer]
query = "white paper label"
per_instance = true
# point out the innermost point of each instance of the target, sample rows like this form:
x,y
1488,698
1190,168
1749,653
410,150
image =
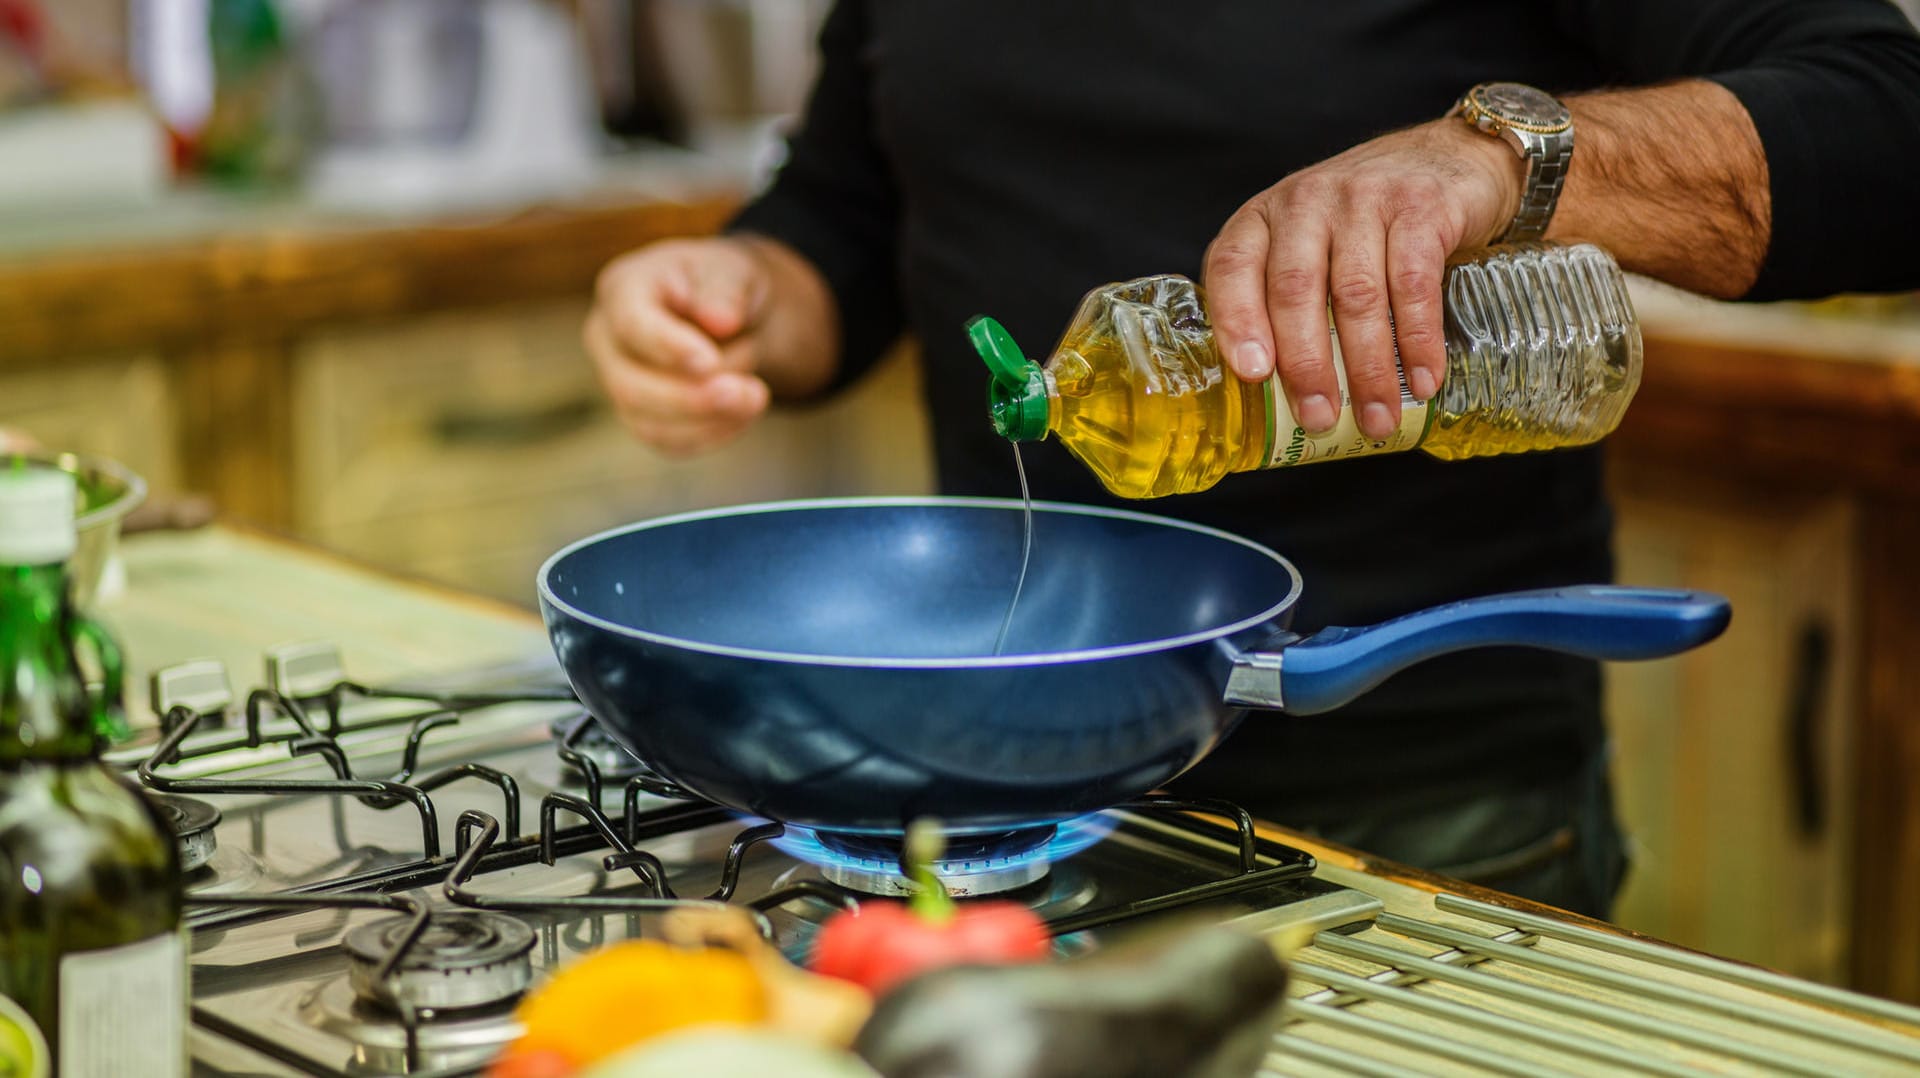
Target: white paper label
x,y
123,1010
1288,443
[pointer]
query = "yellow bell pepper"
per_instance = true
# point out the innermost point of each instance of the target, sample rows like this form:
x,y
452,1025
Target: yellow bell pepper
x,y
630,992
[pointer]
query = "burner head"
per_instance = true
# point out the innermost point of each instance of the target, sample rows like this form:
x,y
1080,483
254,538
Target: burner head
x,y
582,736
982,863
463,959
192,823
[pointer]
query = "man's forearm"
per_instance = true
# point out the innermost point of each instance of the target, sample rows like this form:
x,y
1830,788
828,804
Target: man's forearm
x,y
1673,181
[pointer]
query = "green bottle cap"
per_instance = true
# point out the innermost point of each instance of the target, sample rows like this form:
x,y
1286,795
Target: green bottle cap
x,y
1017,396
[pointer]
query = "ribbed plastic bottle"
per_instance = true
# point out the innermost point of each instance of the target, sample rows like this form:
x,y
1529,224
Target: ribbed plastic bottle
x,y
1543,352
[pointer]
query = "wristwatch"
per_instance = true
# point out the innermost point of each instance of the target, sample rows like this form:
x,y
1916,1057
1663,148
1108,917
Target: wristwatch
x,y
1540,129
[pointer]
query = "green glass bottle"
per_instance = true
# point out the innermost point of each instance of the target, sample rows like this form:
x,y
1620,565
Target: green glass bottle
x,y
91,941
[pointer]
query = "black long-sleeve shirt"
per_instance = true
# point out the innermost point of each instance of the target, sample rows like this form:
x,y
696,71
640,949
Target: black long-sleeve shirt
x,y
1004,156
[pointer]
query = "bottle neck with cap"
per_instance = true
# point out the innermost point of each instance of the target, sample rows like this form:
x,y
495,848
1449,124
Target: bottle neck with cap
x,y
45,712
1019,397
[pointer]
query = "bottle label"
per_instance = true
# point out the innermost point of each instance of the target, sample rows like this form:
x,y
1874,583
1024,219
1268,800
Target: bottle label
x,y
123,1010
1288,443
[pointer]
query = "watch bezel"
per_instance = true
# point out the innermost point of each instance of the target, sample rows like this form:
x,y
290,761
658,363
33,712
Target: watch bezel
x,y
1486,114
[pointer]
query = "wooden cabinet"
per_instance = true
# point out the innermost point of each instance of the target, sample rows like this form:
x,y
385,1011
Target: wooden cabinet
x,y
212,297
119,407
1793,409
1733,765
467,447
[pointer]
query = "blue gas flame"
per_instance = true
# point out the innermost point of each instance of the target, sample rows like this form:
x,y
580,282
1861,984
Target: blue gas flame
x,y
1069,838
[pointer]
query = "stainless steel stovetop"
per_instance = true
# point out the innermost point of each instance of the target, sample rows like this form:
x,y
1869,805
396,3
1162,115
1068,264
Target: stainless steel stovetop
x,y
333,836
390,871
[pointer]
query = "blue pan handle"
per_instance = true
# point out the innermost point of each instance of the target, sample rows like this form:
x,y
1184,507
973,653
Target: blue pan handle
x,y
1331,667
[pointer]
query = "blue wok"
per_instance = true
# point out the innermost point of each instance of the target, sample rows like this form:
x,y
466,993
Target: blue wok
x,y
829,663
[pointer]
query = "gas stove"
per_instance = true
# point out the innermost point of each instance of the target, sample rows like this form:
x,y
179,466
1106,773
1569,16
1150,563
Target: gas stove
x,y
392,868
381,874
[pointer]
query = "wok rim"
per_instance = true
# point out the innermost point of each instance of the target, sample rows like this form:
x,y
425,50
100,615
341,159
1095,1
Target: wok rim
x,y
973,662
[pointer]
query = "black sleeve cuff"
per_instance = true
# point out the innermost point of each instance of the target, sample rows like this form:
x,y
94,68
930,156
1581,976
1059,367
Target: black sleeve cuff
x,y
1840,126
865,295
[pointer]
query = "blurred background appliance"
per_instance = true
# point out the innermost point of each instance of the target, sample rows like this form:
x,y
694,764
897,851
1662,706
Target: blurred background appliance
x,y
432,103
723,77
73,131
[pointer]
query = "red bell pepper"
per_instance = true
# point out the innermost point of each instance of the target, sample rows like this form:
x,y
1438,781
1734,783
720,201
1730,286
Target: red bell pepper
x,y
883,943
537,1063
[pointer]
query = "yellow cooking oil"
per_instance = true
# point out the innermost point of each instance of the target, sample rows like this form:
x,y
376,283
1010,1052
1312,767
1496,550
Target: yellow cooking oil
x,y
1543,352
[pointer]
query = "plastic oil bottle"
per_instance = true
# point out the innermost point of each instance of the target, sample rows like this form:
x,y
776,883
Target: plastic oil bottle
x,y
1543,352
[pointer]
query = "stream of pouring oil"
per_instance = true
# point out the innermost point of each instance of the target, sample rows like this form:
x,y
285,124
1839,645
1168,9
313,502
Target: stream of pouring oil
x,y
1026,550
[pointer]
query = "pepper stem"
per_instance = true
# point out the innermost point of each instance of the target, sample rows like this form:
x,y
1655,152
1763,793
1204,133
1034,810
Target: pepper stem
x,y
926,841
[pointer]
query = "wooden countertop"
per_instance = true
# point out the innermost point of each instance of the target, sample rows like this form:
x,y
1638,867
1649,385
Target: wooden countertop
x,y
203,267
222,291
1778,391
230,266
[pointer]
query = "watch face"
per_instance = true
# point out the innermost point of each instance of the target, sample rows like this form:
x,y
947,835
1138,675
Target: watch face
x,y
1521,106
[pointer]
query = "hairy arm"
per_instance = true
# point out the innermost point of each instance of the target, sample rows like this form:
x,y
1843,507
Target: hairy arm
x,y
1832,88
1672,180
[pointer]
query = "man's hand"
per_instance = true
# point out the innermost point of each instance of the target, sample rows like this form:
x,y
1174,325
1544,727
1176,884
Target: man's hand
x,y
1671,179
1368,231
693,338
